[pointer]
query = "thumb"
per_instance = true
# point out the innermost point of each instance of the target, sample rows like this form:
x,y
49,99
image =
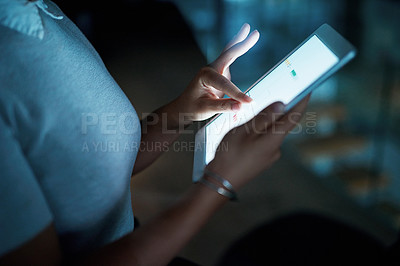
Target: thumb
x,y
260,123
221,105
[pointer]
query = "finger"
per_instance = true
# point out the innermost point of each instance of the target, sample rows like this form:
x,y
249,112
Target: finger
x,y
227,73
291,119
212,79
261,122
240,36
222,105
237,50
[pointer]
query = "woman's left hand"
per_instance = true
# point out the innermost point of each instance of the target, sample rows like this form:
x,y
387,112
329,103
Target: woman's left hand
x,y
204,97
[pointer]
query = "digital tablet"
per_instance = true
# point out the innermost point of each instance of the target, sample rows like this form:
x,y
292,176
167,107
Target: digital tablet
x,y
323,53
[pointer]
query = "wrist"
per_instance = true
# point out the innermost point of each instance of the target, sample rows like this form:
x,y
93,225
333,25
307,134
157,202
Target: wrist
x,y
178,116
208,196
172,117
227,172
219,184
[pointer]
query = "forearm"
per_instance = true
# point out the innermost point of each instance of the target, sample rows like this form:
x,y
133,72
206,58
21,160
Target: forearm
x,y
159,130
157,242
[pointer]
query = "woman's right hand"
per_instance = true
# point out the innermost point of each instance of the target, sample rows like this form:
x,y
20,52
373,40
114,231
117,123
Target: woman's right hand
x,y
255,146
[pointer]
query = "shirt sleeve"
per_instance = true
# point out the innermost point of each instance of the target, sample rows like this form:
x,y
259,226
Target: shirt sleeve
x,y
24,211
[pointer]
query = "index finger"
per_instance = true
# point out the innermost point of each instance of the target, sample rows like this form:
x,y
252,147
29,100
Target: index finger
x,y
229,56
217,81
240,36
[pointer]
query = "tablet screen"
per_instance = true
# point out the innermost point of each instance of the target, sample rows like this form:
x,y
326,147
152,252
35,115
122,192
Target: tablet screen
x,y
284,83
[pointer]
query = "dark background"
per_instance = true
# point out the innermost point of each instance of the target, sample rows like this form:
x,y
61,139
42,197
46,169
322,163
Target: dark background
x,y
345,161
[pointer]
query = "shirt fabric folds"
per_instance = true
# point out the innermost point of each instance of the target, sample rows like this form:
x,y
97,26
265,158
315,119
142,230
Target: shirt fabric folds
x,y
69,135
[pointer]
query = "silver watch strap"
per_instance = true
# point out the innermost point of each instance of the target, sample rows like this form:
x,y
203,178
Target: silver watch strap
x,y
220,179
222,191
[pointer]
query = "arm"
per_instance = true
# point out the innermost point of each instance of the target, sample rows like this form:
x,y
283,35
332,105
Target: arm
x,y
155,243
202,99
255,147
251,151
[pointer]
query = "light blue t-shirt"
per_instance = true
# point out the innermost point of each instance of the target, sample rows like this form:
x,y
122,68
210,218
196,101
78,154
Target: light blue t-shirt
x,y
69,135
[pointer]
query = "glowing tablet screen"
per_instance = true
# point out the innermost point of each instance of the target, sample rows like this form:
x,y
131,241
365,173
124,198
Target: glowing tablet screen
x,y
284,83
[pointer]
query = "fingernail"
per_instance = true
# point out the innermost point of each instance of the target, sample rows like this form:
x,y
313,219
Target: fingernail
x,y
235,106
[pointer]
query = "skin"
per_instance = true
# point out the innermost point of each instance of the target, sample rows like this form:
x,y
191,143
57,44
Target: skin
x,y
202,99
254,147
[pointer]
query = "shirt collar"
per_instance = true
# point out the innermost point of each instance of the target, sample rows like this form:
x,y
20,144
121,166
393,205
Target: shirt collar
x,y
23,16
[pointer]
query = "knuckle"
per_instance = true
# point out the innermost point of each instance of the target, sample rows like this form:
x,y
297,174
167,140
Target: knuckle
x,y
205,70
225,83
204,75
224,106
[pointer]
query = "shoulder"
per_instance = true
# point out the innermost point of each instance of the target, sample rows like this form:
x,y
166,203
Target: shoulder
x,y
22,34
24,16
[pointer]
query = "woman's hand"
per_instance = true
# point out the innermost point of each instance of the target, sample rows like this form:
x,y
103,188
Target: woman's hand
x,y
203,97
255,146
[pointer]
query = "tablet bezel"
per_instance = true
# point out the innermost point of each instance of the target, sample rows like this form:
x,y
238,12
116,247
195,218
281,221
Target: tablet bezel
x,y
331,39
